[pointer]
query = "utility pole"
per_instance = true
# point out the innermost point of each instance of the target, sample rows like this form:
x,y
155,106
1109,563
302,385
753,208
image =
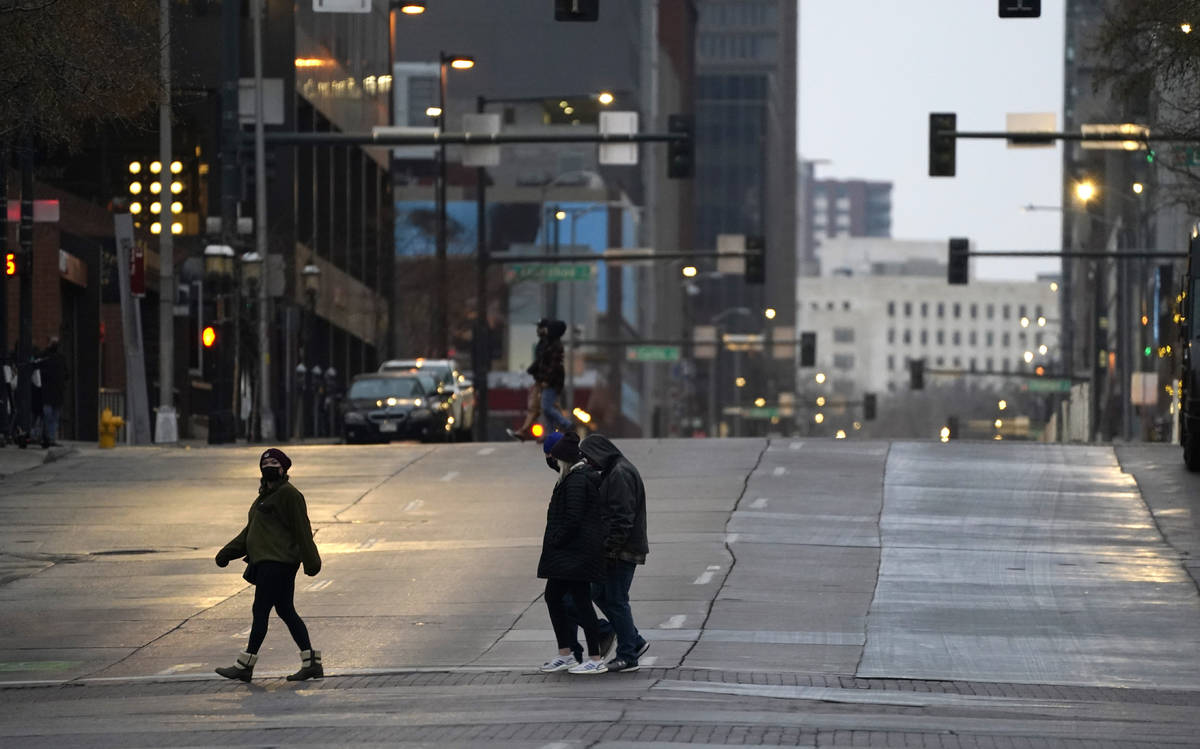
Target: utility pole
x,y
166,429
5,413
22,365
266,415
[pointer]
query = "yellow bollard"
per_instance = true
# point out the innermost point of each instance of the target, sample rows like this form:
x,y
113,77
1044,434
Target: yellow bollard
x,y
109,425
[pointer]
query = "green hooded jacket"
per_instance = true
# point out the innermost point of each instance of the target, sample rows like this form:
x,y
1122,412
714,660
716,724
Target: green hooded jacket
x,y
277,531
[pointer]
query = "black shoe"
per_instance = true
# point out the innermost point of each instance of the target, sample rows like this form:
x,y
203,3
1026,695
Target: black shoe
x,y
518,436
620,664
606,643
644,647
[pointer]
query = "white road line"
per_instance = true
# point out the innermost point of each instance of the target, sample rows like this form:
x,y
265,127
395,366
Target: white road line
x,y
713,567
648,661
319,586
487,451
779,470
704,579
557,745
368,543
731,538
449,476
759,503
675,622
244,633
413,505
179,667
795,445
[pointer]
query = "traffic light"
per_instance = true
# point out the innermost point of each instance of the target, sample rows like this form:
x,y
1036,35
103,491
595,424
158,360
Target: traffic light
x,y
916,374
681,154
957,267
868,406
208,336
1020,8
576,10
941,146
756,265
808,349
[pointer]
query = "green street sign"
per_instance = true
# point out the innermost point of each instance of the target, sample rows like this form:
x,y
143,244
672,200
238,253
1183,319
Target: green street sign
x,y
550,272
652,353
767,412
1048,386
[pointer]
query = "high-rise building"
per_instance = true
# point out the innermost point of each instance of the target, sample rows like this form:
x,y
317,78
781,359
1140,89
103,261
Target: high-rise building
x,y
746,141
855,208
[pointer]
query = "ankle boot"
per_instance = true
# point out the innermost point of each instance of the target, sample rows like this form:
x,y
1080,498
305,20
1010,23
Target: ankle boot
x,y
310,666
242,669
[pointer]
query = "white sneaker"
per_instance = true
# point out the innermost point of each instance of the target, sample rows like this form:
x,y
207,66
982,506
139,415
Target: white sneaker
x,y
559,663
589,667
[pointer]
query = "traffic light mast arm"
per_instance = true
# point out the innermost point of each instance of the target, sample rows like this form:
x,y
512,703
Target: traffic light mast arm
x,y
388,136
1035,136
1114,255
623,256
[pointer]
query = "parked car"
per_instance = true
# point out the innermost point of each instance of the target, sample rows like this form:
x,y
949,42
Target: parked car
x,y
455,389
380,407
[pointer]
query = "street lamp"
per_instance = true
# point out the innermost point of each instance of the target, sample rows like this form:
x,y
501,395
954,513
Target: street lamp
x,y
769,313
1085,190
689,271
441,343
412,8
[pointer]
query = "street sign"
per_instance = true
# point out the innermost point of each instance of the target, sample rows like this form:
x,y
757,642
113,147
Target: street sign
x,y
1031,122
618,123
652,353
488,124
342,6
550,272
1125,128
768,412
1048,386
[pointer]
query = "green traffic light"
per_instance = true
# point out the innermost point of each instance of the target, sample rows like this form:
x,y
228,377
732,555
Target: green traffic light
x,y
1149,160
1147,351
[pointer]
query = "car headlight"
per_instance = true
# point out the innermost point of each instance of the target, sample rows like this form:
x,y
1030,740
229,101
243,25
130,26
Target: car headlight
x,y
355,417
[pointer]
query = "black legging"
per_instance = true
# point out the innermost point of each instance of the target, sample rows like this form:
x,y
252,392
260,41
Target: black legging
x,y
563,623
274,587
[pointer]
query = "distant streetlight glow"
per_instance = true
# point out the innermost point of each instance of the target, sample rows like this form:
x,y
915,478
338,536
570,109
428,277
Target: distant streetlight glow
x,y
135,167
155,167
740,382
819,417
462,63
412,8
1003,404
769,313
1042,320
568,110
1024,322
1043,349
841,434
1085,190
1054,285
1028,356
945,434
820,400
1185,28
1138,187
605,98
689,271
135,207
820,378
560,215
760,402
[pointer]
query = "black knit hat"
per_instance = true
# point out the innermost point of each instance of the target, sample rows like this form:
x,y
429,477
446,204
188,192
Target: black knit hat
x,y
567,448
275,455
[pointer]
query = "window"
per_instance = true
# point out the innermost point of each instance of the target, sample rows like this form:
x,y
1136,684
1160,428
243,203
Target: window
x,y
991,311
907,335
941,337
924,309
956,338
940,361
846,306
843,361
1005,340
891,363
1022,337
941,310
829,306
957,310
1038,311
1037,338
843,335
816,306
924,337
974,312
957,362
972,364
1021,311
908,309
972,338
891,335
989,364
1006,311
1006,366
990,339
891,309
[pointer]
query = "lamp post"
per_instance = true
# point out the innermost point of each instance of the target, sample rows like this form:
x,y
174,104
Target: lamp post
x,y
441,343
219,267
252,264
716,363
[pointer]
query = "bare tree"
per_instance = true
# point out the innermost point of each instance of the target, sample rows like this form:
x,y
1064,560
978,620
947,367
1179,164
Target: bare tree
x,y
1151,62
71,63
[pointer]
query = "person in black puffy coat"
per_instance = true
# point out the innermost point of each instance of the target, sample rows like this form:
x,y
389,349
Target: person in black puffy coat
x,y
572,554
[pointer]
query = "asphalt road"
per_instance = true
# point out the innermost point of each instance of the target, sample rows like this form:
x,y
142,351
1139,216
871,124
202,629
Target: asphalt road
x,y
811,593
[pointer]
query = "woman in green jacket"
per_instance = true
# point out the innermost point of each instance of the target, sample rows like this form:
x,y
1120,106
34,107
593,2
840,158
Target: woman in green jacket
x,y
277,539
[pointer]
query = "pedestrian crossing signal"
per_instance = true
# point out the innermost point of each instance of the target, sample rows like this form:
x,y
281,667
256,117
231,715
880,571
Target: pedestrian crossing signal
x,y
10,264
208,336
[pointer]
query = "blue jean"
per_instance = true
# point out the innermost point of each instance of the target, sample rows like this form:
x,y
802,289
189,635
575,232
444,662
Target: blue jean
x,y
554,418
612,596
49,423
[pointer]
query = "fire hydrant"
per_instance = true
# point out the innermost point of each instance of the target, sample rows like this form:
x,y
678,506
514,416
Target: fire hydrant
x,y
109,425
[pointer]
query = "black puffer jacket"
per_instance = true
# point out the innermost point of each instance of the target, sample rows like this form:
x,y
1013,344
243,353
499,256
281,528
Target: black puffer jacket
x,y
624,497
573,546
547,367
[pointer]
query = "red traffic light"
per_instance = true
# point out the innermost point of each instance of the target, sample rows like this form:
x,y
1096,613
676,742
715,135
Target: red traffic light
x,y
208,336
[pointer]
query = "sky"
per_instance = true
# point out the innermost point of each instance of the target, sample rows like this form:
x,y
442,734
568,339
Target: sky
x,y
871,71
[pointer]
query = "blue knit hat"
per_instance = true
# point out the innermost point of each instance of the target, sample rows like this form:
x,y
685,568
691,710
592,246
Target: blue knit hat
x,y
550,441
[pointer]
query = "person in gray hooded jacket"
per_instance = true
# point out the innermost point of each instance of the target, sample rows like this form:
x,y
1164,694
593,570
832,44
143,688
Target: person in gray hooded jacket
x,y
626,544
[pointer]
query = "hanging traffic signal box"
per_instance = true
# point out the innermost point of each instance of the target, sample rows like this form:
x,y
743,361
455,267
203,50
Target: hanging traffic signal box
x,y
756,260
916,374
868,406
576,10
681,154
808,349
957,267
941,144
1020,8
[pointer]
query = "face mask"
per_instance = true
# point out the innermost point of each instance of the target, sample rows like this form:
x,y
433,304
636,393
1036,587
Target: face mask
x,y
552,463
272,473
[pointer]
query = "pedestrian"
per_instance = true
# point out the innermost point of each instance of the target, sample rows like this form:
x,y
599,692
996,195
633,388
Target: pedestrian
x,y
549,375
626,544
53,368
572,554
275,542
